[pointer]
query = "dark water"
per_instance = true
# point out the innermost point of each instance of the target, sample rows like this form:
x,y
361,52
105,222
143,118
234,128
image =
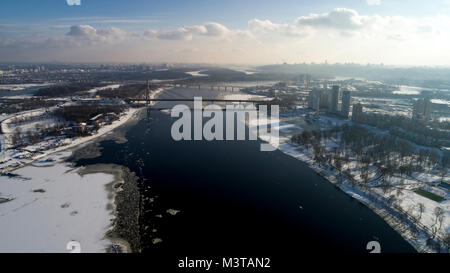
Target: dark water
x,y
236,201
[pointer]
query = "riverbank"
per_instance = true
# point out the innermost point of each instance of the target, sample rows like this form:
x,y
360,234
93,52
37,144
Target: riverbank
x,y
416,233
49,202
123,192
14,159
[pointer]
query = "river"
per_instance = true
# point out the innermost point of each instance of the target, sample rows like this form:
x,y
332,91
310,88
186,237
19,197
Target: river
x,y
236,201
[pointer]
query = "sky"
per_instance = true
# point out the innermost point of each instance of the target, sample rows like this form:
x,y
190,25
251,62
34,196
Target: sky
x,y
393,32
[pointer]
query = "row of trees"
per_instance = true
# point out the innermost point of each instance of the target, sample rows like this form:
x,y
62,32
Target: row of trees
x,y
126,91
67,123
391,152
18,105
76,114
66,90
390,155
430,134
21,138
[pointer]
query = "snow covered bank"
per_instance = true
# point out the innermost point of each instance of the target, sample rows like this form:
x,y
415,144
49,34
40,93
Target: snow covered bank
x,y
94,91
45,202
242,96
415,226
13,159
51,205
197,73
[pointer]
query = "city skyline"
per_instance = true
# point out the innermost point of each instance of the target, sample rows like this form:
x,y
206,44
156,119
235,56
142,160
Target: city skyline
x,y
254,32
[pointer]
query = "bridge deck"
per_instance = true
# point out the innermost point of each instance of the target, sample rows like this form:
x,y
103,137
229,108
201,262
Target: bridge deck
x,y
203,100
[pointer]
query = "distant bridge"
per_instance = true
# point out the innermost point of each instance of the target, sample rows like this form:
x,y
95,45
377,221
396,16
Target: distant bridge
x,y
155,107
231,88
130,100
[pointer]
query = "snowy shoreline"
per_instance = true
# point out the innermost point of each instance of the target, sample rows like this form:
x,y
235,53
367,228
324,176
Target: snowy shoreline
x,y
356,194
50,202
46,202
71,143
130,114
371,199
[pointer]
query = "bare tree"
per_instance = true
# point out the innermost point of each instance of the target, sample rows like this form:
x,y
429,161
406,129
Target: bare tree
x,y
421,207
439,217
16,137
338,165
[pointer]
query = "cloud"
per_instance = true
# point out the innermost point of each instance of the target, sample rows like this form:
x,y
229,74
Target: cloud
x,y
187,33
340,34
150,34
87,34
373,2
214,30
346,22
341,18
73,2
82,31
424,29
90,33
268,27
177,34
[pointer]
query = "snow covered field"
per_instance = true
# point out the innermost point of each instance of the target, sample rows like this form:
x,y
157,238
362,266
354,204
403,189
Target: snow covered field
x,y
197,74
51,205
408,90
242,96
18,87
94,91
386,106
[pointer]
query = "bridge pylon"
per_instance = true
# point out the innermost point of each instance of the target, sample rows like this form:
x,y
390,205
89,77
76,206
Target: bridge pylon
x,y
147,94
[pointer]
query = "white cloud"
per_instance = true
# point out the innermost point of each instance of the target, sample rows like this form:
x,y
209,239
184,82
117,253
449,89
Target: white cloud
x,y
177,34
346,22
373,2
82,31
268,27
150,34
73,2
89,32
341,18
187,33
215,30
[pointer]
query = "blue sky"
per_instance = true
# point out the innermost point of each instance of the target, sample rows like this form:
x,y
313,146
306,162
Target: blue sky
x,y
241,26
231,12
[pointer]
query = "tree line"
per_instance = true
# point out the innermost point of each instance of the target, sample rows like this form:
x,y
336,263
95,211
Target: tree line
x,y
430,134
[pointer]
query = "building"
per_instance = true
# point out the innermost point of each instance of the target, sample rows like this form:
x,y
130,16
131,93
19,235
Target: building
x,y
307,80
418,108
357,112
335,94
422,109
325,99
314,99
345,107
